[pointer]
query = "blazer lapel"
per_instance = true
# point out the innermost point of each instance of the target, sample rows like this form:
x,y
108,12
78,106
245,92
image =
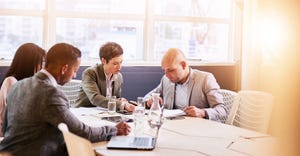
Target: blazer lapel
x,y
102,79
169,94
190,86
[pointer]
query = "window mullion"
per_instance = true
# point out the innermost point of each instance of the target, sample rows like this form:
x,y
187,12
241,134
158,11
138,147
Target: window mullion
x,y
49,24
149,32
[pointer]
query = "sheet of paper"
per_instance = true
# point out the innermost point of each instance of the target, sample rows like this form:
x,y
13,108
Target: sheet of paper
x,y
173,112
87,110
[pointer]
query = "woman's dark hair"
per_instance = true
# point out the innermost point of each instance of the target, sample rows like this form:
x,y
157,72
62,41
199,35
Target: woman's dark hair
x,y
27,61
110,50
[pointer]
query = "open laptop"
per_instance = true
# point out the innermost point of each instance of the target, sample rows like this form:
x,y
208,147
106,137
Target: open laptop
x,y
133,142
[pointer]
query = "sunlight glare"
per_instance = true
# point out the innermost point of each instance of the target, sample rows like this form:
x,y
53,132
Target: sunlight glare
x,y
273,31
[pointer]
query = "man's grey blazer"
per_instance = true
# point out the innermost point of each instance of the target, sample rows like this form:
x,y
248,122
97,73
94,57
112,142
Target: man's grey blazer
x,y
34,109
93,88
203,92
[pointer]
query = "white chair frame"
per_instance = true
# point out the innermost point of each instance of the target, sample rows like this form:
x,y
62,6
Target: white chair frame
x,y
71,89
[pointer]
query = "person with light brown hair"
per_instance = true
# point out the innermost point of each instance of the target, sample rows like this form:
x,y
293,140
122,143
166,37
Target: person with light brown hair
x,y
104,80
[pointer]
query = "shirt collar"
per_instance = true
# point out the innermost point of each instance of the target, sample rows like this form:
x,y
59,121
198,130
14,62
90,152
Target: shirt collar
x,y
52,79
113,77
188,79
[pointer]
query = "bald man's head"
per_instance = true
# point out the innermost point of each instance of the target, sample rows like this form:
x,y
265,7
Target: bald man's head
x,y
173,56
175,66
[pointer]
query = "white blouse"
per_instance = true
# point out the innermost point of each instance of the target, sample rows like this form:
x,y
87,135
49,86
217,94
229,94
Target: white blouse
x,y
6,85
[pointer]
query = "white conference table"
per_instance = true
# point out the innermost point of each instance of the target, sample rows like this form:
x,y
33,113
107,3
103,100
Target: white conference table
x,y
194,136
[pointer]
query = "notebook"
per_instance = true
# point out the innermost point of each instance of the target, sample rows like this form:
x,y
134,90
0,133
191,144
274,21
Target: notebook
x,y
133,142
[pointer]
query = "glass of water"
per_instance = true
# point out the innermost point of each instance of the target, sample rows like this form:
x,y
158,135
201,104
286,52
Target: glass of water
x,y
139,117
111,105
140,102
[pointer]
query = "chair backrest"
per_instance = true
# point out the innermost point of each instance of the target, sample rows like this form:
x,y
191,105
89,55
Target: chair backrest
x,y
252,110
228,98
76,145
71,89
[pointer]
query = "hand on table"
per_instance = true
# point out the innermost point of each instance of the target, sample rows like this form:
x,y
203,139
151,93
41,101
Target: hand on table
x,y
129,107
150,101
123,128
194,111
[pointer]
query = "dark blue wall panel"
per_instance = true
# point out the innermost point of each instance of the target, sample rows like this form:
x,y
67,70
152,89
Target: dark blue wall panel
x,y
139,80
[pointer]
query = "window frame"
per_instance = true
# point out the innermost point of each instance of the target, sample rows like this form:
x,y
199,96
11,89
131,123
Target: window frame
x,y
149,18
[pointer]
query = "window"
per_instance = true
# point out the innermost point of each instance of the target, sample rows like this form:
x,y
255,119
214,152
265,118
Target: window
x,y
19,23
89,34
145,29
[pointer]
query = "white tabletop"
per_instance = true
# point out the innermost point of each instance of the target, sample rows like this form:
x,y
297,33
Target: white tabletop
x,y
194,136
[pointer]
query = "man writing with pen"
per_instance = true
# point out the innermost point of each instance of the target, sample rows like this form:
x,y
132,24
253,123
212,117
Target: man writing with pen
x,y
195,92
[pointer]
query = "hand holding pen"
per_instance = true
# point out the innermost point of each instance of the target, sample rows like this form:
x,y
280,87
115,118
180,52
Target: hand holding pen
x,y
194,111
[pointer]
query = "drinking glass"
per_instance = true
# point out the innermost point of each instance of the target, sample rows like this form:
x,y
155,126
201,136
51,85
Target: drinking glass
x,y
139,118
140,102
111,105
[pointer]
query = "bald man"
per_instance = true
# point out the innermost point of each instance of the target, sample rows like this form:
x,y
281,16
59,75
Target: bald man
x,y
195,92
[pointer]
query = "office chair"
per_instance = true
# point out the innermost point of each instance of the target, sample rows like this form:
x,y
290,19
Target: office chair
x,y
76,145
252,110
228,98
71,89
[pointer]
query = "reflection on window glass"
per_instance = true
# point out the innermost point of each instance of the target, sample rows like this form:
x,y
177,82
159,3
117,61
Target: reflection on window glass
x,y
16,30
198,8
105,6
197,40
23,4
89,34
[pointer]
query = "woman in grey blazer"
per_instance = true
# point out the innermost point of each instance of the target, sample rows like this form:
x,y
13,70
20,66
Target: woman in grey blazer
x,y
104,79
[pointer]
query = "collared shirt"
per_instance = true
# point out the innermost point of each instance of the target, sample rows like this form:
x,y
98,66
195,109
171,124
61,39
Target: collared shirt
x,y
109,85
181,94
52,79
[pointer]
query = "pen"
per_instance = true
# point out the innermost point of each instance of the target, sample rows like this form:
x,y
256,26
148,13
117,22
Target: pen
x,y
133,102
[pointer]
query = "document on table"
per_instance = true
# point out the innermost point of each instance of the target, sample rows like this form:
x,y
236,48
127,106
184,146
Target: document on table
x,y
87,111
90,115
173,112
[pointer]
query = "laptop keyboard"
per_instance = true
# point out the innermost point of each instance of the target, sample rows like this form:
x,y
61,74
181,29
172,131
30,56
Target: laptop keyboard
x,y
141,141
